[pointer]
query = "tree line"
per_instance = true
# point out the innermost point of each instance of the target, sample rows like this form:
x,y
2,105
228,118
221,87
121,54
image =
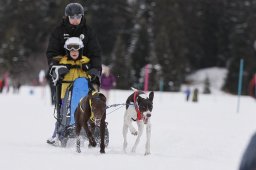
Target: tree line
x,y
176,37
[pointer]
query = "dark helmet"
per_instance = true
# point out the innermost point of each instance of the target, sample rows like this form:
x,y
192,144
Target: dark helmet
x,y
74,9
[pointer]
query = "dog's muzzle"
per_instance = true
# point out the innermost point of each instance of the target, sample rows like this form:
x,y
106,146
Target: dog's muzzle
x,y
146,117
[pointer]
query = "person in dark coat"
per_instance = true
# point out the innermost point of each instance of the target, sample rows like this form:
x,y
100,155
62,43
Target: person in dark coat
x,y
74,25
195,95
248,161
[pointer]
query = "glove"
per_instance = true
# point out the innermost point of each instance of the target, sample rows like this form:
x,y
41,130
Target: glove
x,y
95,76
85,67
95,80
57,72
94,72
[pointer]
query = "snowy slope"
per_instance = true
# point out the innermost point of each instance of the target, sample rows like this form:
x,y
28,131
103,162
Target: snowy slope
x,y
215,75
208,135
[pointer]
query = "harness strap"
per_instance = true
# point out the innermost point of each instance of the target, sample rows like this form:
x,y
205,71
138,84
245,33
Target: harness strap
x,y
81,108
90,104
139,116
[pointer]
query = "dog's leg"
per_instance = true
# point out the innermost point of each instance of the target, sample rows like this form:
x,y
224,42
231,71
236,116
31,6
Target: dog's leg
x,y
78,129
102,134
125,130
129,114
148,134
78,150
89,135
140,131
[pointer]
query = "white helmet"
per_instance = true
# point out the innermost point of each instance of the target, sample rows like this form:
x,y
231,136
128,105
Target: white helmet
x,y
73,43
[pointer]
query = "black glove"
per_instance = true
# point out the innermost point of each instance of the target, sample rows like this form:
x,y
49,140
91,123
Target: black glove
x,y
57,72
85,67
94,72
95,76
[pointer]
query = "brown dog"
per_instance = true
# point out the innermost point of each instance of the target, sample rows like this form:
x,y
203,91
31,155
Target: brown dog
x,y
91,109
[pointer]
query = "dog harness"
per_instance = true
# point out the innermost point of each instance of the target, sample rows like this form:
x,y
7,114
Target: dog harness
x,y
90,104
139,115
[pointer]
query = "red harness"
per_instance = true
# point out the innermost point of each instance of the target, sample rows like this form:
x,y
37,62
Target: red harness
x,y
139,115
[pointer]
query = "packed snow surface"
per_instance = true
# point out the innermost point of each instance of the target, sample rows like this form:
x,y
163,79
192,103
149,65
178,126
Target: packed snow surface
x,y
207,135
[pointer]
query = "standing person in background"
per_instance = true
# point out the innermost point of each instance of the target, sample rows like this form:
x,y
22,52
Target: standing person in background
x,y
42,82
1,85
187,92
6,82
195,95
108,81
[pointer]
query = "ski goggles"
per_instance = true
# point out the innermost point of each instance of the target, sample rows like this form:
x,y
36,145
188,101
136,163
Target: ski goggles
x,y
71,47
79,16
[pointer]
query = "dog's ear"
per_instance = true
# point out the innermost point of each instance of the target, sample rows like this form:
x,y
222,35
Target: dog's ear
x,y
103,97
151,96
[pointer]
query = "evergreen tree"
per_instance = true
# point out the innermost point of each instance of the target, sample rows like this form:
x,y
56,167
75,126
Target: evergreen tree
x,y
241,38
121,66
109,19
171,42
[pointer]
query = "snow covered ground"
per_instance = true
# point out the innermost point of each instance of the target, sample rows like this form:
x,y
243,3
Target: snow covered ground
x,y
208,135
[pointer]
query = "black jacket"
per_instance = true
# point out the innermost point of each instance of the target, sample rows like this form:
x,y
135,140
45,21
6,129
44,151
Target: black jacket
x,y
65,30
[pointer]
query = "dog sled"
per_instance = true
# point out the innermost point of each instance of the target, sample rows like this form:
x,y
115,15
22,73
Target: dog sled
x,y
65,124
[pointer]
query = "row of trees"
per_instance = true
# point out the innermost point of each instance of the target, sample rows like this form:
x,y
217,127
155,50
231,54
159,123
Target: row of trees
x,y
176,37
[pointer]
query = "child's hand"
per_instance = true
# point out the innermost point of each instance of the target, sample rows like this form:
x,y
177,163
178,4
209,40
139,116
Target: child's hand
x,y
94,72
85,67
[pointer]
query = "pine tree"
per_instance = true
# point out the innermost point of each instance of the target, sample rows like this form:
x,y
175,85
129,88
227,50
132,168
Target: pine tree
x,y
121,66
109,19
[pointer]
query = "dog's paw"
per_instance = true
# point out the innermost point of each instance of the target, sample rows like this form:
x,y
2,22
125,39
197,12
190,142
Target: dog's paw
x,y
92,143
133,150
78,150
135,133
102,151
147,153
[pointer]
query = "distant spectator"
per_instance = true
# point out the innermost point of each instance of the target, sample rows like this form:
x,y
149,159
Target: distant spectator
x,y
207,89
187,93
248,161
42,78
1,85
52,87
6,82
195,95
42,82
108,81
16,87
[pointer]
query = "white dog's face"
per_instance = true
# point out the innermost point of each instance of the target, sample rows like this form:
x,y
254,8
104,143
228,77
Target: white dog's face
x,y
146,105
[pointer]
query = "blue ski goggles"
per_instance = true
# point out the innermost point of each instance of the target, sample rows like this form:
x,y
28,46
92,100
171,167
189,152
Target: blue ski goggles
x,y
79,16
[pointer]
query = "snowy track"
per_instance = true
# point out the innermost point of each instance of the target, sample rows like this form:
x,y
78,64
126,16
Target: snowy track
x,y
208,135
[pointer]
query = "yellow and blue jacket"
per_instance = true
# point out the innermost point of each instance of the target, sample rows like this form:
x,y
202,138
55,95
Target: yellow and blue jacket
x,y
75,71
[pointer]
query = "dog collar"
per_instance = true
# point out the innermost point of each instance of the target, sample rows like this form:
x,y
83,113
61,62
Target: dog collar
x,y
139,116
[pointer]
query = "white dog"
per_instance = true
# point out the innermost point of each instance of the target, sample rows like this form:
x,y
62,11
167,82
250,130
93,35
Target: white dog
x,y
138,108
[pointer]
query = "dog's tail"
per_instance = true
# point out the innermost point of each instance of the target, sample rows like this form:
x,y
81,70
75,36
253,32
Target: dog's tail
x,y
134,89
